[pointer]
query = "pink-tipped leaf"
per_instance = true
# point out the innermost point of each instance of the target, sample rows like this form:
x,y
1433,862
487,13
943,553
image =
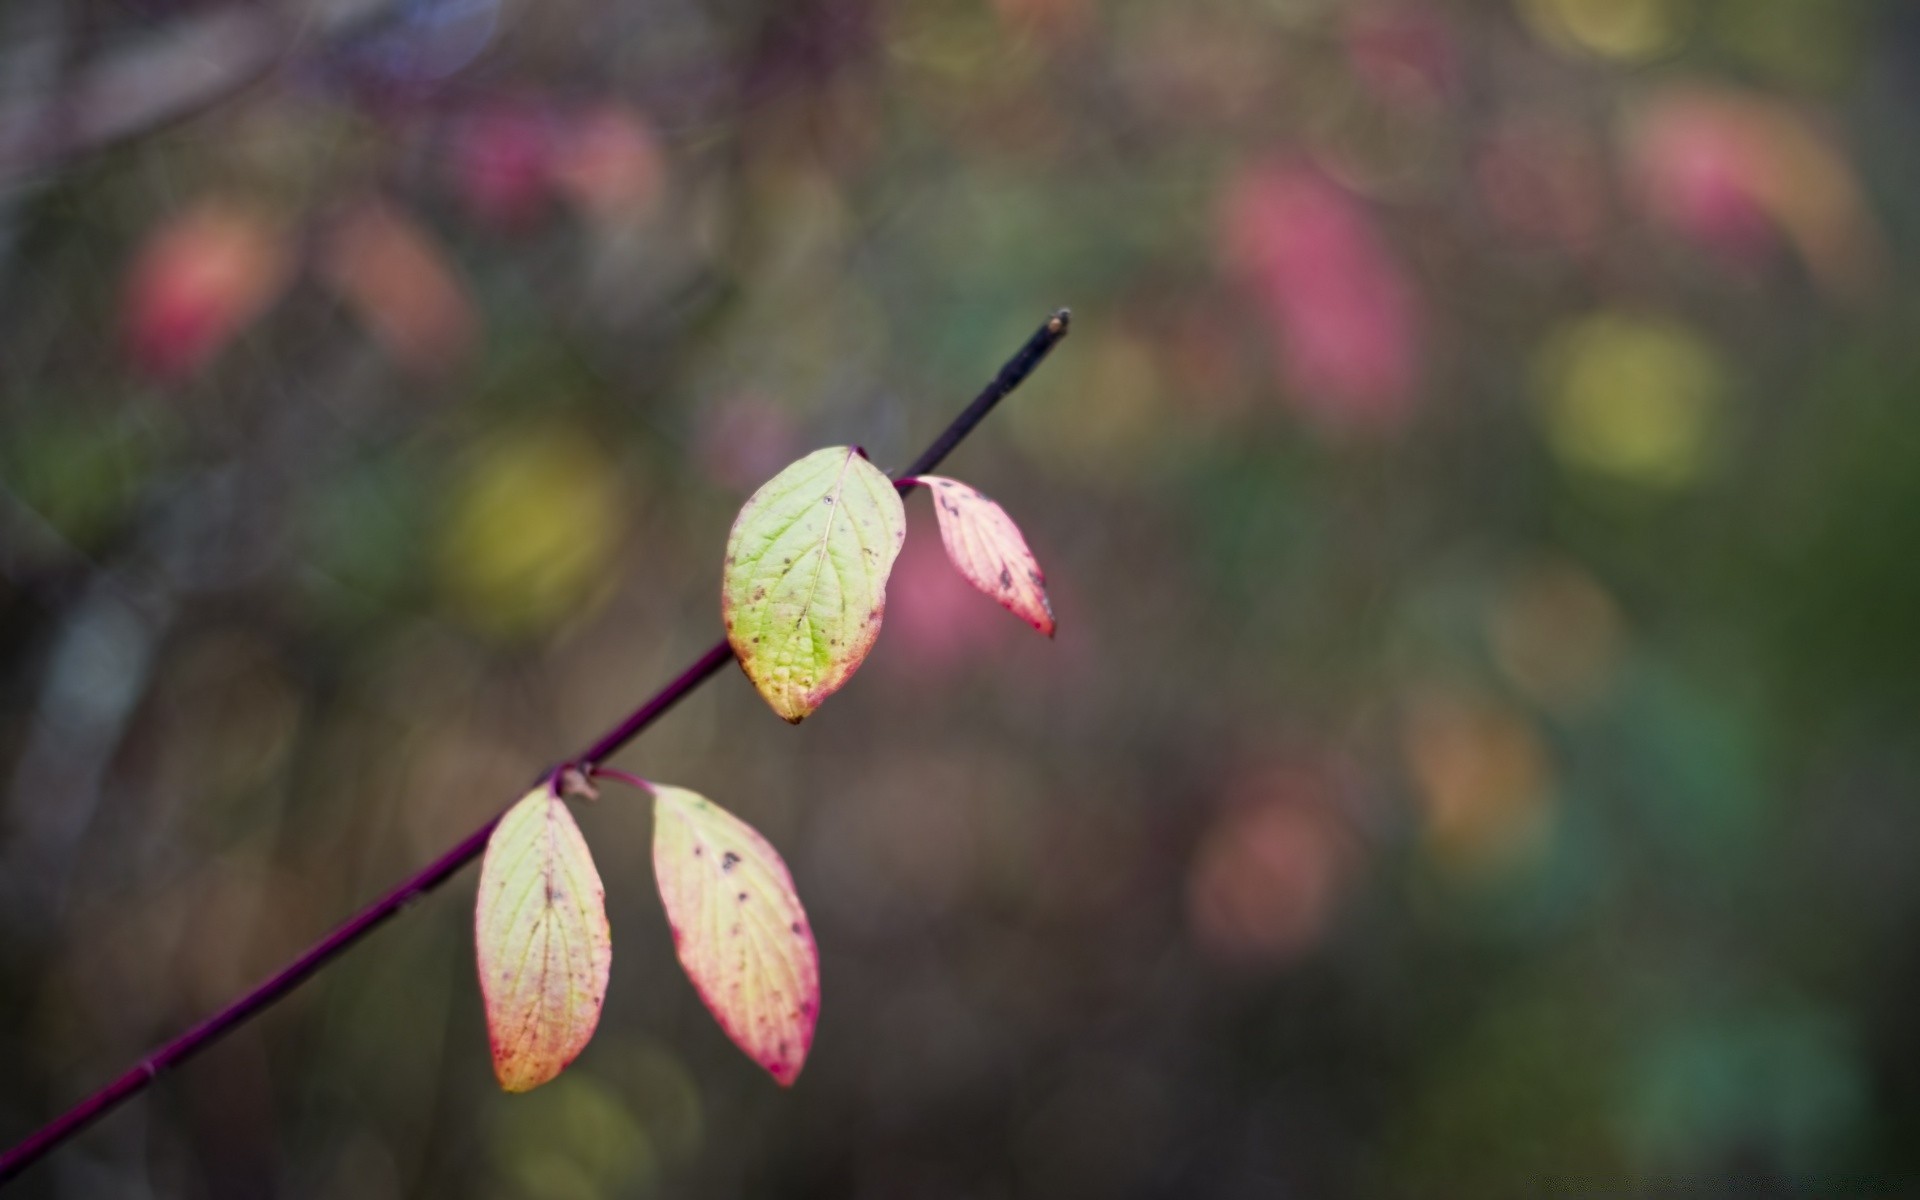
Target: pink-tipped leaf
x,y
986,547
806,576
540,929
739,929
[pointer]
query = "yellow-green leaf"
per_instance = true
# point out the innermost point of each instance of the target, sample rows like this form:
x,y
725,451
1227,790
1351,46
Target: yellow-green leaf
x,y
741,934
540,929
806,576
986,547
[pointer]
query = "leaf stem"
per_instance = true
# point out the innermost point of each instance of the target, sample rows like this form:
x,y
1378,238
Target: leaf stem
x,y
251,1004
627,777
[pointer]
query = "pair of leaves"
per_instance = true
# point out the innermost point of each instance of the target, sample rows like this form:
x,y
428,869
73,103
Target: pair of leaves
x,y
544,945
807,565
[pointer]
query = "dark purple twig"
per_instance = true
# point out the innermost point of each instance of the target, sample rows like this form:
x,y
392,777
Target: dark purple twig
x,y
376,914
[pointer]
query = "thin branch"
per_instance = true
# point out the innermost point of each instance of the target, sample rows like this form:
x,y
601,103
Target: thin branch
x,y
469,848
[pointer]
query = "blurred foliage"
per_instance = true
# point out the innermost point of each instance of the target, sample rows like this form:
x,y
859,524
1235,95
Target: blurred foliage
x,y
1479,498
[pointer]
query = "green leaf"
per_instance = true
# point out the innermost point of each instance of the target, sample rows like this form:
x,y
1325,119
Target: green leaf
x,y
985,545
741,934
540,929
806,576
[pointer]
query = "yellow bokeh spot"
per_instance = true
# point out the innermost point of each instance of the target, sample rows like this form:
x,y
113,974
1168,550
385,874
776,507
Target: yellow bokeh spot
x,y
1631,398
1621,30
529,525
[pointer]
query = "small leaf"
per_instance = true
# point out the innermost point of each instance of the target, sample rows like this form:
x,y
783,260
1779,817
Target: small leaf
x,y
540,928
806,576
986,546
739,928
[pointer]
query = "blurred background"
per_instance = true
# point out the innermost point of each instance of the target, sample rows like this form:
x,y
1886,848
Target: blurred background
x,y
1480,494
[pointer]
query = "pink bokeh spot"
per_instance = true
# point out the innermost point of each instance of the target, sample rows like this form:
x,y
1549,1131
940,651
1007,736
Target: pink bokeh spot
x,y
201,277
502,164
1701,169
1345,320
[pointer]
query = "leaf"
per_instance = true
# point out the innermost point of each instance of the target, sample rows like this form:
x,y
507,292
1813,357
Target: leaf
x,y
741,934
540,928
986,546
806,576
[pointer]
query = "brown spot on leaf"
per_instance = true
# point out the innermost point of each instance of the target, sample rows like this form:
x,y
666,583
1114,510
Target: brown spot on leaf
x,y
729,860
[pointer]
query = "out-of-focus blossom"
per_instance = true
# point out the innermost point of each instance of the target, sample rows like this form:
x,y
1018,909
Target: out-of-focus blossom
x,y
1269,873
202,276
1623,30
1404,56
608,162
1544,179
1732,171
1346,322
1631,398
502,164
396,278
1482,776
